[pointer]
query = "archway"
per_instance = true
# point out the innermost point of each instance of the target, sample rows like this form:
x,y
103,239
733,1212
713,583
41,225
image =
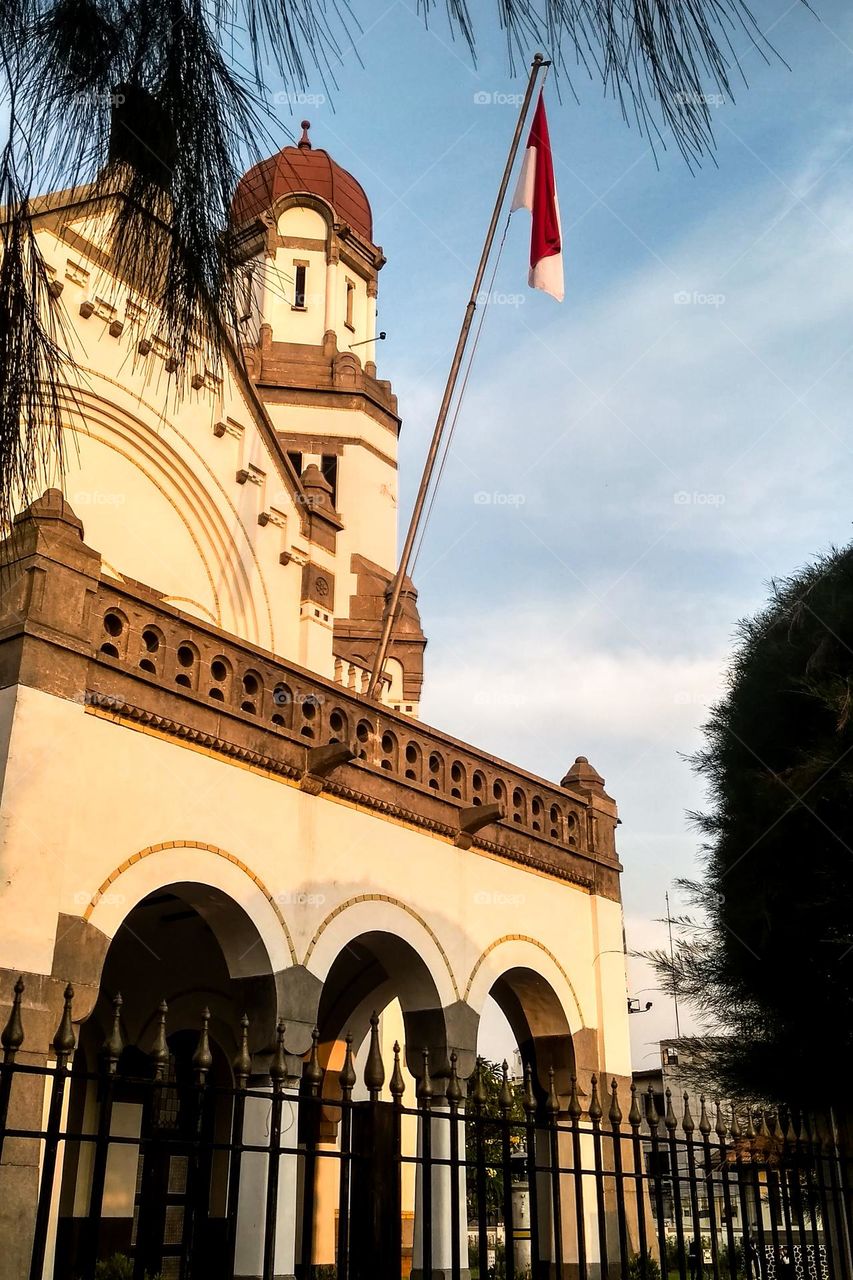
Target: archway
x,y
524,1023
379,972
180,961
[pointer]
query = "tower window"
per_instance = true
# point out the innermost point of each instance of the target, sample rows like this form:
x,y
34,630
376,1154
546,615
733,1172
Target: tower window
x,y
300,272
329,468
349,304
296,461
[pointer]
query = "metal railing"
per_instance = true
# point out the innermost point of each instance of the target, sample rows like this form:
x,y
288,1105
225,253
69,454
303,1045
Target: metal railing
x,y
245,1169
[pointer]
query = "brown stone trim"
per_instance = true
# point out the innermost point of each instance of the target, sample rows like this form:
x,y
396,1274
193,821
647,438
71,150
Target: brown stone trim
x,y
300,242
119,710
291,440
329,398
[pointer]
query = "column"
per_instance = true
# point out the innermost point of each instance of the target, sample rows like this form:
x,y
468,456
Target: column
x,y
441,1185
251,1208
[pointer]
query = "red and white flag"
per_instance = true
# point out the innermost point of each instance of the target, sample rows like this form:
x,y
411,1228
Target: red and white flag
x,y
537,192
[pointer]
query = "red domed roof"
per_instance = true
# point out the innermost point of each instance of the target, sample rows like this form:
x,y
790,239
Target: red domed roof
x,y
297,170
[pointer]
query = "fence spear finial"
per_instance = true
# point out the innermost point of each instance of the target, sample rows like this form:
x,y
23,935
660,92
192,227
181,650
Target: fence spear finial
x,y
397,1084
575,1108
552,1105
720,1120
704,1122
670,1119
160,1049
529,1098
278,1066
425,1082
312,1071
614,1115
347,1077
634,1114
505,1098
374,1068
454,1086
243,1061
115,1043
64,1041
13,1033
203,1058
687,1122
594,1110
478,1094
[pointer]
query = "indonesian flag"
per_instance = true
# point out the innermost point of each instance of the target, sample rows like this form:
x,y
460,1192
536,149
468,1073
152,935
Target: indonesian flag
x,y
537,192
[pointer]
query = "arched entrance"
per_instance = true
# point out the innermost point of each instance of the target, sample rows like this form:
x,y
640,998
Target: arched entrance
x,y
188,963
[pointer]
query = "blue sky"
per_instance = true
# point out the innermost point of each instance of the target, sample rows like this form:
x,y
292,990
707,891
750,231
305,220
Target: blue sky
x,y
654,450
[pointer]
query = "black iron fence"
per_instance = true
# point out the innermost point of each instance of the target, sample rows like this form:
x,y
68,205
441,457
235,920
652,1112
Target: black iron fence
x,y
172,1163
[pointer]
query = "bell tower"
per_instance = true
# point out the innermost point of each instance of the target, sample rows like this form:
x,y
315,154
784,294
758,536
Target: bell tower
x,y
304,231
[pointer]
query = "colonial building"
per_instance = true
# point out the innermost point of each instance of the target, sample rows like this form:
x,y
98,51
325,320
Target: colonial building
x,y
199,803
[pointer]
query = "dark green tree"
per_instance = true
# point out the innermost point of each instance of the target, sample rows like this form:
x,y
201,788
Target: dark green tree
x,y
491,1119
166,100
766,958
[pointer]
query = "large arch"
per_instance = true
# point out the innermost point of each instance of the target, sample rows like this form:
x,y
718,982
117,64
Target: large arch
x,y
185,943
538,1000
190,493
263,938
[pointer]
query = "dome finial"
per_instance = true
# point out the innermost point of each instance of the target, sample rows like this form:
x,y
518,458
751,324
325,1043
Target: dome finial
x,y
305,141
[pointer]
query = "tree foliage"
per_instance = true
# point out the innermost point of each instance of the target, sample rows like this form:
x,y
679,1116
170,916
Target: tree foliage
x,y
767,957
166,98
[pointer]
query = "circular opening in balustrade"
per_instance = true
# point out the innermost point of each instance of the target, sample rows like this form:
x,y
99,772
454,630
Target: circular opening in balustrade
x,y
151,640
113,624
218,669
411,754
337,723
498,789
456,772
186,656
362,731
434,762
309,708
250,683
387,743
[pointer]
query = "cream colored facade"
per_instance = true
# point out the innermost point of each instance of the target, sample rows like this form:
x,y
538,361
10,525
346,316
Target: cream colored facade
x,y
172,678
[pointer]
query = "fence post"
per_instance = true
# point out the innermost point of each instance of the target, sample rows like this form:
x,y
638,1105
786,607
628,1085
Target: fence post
x,y
63,1045
11,1039
110,1055
634,1120
242,1066
375,1227
530,1109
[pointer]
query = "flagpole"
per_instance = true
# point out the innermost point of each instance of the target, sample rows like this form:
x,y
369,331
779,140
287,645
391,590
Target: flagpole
x,y
393,600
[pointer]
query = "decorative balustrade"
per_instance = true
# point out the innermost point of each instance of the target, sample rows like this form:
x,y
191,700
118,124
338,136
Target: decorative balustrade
x,y
161,646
